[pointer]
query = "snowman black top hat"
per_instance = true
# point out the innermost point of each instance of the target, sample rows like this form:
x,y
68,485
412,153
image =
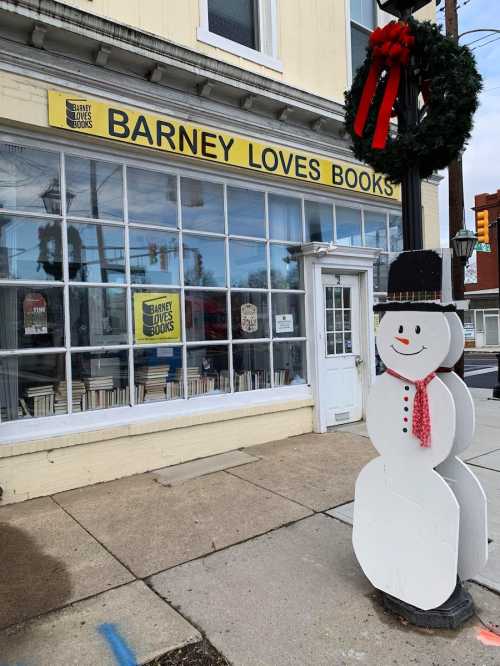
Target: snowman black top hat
x,y
415,283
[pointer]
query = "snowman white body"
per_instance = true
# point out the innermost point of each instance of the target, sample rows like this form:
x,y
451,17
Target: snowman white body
x,y
473,535
406,517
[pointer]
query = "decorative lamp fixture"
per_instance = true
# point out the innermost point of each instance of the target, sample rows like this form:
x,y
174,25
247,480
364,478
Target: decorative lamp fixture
x,y
401,8
52,198
463,244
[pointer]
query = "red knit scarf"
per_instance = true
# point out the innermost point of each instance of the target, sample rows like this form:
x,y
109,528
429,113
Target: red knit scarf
x,y
421,425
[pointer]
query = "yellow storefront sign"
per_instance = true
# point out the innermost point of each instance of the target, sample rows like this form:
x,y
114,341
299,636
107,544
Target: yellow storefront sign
x,y
157,317
114,121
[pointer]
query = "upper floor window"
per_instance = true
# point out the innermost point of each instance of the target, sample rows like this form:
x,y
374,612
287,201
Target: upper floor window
x,y
363,21
246,28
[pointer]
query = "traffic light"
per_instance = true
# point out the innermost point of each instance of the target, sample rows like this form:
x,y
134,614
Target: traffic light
x,y
482,226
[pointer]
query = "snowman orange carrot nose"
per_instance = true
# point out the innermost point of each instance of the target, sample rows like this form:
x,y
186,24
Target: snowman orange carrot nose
x,y
405,341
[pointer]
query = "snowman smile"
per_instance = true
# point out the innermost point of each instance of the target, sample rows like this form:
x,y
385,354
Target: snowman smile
x,y
409,353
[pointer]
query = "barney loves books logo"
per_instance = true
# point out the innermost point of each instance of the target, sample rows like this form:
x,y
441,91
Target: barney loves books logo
x,y
78,114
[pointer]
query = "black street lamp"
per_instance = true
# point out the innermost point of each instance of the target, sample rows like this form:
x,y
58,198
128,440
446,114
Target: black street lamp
x,y
463,244
52,198
401,8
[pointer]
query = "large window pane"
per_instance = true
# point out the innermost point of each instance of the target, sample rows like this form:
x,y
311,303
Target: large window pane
x,y
288,315
249,314
96,253
94,189
363,12
100,380
156,316
380,273
206,315
285,268
98,316
289,363
251,367
30,249
395,233
204,261
154,257
32,386
248,264
158,374
207,370
32,317
246,212
375,230
319,221
29,180
152,197
236,20
359,44
202,205
285,218
348,225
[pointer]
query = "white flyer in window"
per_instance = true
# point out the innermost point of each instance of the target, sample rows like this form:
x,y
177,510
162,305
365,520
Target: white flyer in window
x,y
249,322
284,323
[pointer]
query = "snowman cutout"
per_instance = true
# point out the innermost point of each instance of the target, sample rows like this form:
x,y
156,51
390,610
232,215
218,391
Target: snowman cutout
x,y
406,517
473,533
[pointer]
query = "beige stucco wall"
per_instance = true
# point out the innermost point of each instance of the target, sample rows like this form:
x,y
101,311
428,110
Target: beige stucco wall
x,y
312,42
430,204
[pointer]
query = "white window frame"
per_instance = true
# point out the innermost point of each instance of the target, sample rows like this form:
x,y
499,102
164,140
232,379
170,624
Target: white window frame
x,y
267,54
380,18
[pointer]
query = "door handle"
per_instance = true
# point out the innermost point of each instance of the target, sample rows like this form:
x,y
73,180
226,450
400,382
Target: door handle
x,y
358,361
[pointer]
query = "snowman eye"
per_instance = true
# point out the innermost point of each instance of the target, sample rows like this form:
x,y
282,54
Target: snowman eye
x,y
417,329
400,329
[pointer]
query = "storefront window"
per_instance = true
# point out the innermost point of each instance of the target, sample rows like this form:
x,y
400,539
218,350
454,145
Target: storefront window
x,y
206,315
289,363
99,380
98,316
375,230
285,268
152,197
30,249
204,261
158,374
285,218
288,315
154,256
250,315
246,212
319,221
207,370
251,367
381,273
202,205
248,264
94,189
348,225
96,253
395,233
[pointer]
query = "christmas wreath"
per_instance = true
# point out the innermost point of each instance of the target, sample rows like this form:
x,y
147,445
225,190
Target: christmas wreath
x,y
449,84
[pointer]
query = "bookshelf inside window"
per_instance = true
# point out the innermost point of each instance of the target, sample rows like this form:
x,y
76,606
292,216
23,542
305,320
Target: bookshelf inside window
x,y
158,374
251,366
100,380
207,370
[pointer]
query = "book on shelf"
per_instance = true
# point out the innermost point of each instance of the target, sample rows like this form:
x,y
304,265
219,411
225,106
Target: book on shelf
x,y
38,400
281,377
249,380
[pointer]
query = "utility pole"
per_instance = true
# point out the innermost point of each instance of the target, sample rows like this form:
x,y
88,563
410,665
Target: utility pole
x,y
455,190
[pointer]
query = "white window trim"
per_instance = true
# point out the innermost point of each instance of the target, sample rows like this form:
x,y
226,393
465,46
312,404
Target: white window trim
x,y
269,60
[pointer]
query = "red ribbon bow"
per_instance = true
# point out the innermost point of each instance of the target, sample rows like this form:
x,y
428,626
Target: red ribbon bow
x,y
421,423
390,50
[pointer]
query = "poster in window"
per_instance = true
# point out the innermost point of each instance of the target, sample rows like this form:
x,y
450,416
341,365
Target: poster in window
x,y
249,323
284,323
35,314
157,317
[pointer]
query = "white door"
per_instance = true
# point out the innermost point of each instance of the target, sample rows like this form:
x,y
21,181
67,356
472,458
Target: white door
x,y
340,357
491,328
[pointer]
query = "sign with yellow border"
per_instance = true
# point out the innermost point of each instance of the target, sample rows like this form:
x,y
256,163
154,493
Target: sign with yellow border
x,y
157,317
111,120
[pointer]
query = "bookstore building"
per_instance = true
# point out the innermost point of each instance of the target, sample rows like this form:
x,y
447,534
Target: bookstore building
x,y
171,291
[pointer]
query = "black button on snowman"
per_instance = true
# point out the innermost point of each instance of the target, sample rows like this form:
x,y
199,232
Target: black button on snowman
x,y
419,513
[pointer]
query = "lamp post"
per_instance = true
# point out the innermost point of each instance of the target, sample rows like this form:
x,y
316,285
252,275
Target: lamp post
x,y
408,117
496,388
463,244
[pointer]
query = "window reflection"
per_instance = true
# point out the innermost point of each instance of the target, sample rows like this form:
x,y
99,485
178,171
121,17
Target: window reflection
x,y
246,212
319,221
207,370
100,380
375,230
251,367
96,253
204,261
202,205
348,223
249,315
285,268
158,374
285,218
96,189
154,257
98,316
29,180
30,249
395,233
248,264
289,363
288,315
152,197
206,315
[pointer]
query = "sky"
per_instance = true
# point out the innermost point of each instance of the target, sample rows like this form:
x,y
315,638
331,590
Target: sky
x,y
481,160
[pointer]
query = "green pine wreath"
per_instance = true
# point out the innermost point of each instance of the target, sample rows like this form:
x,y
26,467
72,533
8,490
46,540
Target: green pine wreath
x,y
452,83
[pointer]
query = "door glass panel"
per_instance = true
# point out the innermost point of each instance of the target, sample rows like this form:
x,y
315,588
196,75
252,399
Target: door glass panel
x,y
329,297
338,320
330,344
339,349
338,297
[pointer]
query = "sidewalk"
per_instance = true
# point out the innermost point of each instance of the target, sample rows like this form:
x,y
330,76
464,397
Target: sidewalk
x,y
245,556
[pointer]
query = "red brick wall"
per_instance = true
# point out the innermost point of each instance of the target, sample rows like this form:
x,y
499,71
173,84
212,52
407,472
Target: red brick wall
x,y
487,263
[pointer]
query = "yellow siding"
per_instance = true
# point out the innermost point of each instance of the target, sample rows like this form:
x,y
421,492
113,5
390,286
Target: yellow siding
x,y
430,203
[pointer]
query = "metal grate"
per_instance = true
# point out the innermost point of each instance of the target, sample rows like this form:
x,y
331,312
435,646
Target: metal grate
x,y
342,416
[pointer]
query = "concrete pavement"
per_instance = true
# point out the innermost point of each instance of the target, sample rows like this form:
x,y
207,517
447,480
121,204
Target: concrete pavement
x,y
251,551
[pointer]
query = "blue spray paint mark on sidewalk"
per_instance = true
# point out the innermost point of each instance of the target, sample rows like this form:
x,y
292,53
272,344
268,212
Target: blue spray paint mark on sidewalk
x,y
123,654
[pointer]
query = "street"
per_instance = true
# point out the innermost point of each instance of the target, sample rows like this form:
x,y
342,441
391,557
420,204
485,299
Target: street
x,y
480,369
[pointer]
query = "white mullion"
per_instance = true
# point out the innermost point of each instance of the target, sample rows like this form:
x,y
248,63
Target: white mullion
x,y
100,348
388,240
363,243
269,303
303,213
33,351
31,283
228,293
130,309
334,222
66,309
180,243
